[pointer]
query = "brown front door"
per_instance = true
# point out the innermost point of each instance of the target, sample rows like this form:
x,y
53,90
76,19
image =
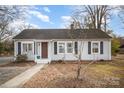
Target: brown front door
x,y
44,50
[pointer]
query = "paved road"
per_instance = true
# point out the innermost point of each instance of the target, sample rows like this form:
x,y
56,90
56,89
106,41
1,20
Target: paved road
x,y
4,60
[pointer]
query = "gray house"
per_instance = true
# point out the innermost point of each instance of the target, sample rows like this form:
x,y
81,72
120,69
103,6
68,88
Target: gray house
x,y
46,45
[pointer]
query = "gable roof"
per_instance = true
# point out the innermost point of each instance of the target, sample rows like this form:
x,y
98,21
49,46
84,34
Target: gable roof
x,y
61,34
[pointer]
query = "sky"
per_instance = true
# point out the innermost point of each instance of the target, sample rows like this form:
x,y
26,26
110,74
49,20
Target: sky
x,y
52,16
56,16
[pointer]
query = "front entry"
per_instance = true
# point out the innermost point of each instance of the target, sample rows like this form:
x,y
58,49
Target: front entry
x,y
44,50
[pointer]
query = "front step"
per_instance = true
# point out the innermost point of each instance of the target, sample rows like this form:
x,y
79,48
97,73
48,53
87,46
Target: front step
x,y
43,61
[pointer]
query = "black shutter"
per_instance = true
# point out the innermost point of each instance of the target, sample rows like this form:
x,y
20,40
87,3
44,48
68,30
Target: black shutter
x,y
19,48
101,47
89,47
55,47
76,48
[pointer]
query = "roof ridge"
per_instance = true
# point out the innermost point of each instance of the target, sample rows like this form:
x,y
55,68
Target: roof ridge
x,y
59,34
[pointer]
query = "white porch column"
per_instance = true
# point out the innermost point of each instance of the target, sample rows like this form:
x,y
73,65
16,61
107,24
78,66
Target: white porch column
x,y
15,49
34,51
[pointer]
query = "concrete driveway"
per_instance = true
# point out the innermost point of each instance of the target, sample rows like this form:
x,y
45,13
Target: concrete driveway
x,y
5,60
20,79
7,73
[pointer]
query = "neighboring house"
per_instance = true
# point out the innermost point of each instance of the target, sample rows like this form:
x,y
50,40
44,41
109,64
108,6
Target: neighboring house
x,y
46,45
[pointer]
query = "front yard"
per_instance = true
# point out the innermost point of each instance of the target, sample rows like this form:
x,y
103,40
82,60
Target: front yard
x,y
103,74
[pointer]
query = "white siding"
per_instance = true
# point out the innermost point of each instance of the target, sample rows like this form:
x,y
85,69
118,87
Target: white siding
x,y
31,55
106,51
84,54
62,56
66,56
40,50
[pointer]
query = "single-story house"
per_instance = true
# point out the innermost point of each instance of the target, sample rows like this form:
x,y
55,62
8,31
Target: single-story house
x,y
46,45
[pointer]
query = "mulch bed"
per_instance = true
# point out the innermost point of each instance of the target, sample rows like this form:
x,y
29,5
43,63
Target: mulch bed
x,y
43,77
101,74
64,76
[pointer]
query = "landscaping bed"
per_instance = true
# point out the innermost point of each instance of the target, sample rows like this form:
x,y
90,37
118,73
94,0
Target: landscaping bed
x,y
100,74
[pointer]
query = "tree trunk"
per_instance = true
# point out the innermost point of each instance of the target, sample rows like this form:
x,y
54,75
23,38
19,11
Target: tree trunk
x,y
78,70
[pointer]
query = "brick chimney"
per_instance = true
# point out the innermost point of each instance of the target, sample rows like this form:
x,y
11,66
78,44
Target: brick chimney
x,y
72,26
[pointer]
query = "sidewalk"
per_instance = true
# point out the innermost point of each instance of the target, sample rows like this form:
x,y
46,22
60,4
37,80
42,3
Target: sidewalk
x,y
19,80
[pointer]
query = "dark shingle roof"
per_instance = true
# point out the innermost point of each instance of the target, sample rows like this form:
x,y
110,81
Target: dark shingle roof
x,y
61,34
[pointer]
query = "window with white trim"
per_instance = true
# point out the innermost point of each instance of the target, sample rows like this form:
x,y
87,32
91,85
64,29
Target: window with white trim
x,y
95,47
30,47
27,47
61,47
69,47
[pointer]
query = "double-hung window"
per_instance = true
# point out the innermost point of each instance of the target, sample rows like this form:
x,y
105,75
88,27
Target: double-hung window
x,y
64,47
30,47
95,47
27,47
69,47
61,47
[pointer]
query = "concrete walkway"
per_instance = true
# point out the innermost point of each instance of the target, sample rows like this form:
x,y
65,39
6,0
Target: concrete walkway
x,y
19,80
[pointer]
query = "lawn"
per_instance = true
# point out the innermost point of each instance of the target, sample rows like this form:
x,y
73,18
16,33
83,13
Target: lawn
x,y
63,75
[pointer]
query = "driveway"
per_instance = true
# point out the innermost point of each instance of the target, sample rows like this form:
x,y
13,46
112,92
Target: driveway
x,y
5,60
20,79
7,73
10,70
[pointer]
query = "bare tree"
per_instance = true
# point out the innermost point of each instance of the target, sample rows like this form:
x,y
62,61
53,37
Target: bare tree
x,y
21,27
90,17
93,16
9,14
121,15
76,26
